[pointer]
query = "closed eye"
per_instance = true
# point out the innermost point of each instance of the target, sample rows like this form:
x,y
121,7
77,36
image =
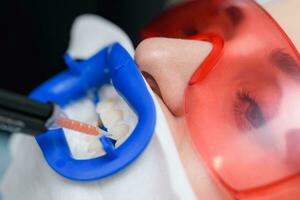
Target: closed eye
x,y
247,111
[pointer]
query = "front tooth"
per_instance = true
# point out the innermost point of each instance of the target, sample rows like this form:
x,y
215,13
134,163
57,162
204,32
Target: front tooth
x,y
95,148
120,131
108,92
111,117
105,105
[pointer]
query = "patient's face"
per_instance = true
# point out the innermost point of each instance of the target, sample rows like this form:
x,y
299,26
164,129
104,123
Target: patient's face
x,y
252,102
168,68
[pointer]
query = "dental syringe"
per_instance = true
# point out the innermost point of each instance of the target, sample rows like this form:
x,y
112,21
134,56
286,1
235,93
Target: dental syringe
x,y
21,114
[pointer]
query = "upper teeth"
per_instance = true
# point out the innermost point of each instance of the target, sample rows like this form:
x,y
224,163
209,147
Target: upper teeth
x,y
115,114
108,114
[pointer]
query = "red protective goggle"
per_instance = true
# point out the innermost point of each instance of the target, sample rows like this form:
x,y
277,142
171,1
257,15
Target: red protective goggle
x,y
242,105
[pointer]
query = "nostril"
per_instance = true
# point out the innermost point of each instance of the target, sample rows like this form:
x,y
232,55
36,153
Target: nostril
x,y
293,146
152,83
190,31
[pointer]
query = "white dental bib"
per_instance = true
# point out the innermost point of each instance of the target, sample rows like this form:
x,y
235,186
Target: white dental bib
x,y
156,174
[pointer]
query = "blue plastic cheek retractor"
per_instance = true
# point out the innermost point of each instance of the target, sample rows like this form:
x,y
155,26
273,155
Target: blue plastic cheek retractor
x,y
112,63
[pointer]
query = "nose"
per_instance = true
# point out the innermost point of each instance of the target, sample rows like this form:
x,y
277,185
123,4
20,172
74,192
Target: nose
x,y
293,146
168,64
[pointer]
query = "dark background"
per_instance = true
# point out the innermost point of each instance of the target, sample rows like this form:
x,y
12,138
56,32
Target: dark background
x,y
34,34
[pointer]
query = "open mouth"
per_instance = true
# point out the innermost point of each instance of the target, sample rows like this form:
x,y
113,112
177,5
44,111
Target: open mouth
x,y
68,154
111,113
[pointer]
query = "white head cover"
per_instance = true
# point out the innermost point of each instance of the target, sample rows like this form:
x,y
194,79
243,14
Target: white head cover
x,y
263,1
156,174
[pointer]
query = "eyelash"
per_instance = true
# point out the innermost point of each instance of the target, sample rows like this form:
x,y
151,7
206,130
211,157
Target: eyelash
x,y
247,111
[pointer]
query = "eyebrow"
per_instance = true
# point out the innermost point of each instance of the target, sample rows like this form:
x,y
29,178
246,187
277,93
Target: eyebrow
x,y
235,15
285,63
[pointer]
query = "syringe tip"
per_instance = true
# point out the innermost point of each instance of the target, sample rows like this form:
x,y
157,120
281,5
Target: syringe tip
x,y
77,126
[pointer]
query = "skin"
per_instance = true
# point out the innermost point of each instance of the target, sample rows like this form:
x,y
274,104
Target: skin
x,y
161,60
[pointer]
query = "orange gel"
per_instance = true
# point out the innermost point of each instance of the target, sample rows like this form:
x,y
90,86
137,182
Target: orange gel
x,y
77,126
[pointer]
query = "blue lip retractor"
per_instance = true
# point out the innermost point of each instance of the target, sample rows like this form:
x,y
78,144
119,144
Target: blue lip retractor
x,y
112,63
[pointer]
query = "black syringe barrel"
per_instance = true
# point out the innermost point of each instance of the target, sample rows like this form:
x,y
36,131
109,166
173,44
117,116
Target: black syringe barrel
x,y
21,114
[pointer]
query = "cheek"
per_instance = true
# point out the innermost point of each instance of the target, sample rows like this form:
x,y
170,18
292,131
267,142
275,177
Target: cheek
x,y
209,117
